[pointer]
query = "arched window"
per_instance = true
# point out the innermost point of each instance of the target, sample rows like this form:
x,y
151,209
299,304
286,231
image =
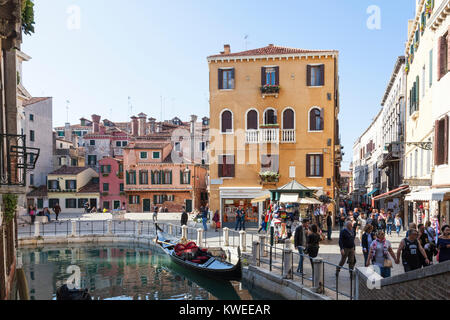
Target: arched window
x,y
316,120
252,120
270,116
226,121
288,119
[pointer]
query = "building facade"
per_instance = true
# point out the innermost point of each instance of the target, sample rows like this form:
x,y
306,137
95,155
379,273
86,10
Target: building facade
x,y
427,111
273,112
112,185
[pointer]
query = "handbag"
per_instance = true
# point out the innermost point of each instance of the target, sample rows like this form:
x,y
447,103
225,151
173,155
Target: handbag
x,y
387,263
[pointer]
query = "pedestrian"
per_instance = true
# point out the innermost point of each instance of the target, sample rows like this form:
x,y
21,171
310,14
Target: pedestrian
x,y
32,213
381,223
300,242
57,210
155,214
204,212
389,223
342,217
425,243
379,252
243,214
123,206
443,245
184,217
366,240
47,214
238,219
410,249
329,225
216,220
411,226
398,224
347,246
312,243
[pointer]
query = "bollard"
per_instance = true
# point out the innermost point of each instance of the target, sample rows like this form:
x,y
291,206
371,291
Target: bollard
x,y
199,236
262,246
287,264
226,237
110,227
256,253
36,229
317,274
170,229
242,239
184,229
74,228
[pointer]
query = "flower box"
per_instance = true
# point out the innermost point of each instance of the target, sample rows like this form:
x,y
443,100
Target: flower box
x,y
268,88
269,176
269,126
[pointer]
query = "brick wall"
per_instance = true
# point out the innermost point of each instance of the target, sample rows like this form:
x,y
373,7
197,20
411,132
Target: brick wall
x,y
430,283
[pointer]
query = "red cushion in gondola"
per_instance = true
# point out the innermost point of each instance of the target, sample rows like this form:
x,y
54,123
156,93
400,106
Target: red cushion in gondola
x,y
204,258
204,250
196,261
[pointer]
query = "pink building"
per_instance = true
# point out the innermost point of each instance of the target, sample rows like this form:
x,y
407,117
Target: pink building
x,y
112,193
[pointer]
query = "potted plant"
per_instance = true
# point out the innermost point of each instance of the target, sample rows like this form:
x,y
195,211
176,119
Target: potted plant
x,y
269,126
269,88
269,176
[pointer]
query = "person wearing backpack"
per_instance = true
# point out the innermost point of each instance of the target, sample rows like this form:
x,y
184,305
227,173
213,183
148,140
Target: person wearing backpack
x,y
398,224
410,249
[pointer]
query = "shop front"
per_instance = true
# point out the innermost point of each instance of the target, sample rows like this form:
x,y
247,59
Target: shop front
x,y
233,198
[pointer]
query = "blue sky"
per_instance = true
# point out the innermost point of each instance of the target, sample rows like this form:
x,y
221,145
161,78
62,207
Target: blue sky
x,y
149,49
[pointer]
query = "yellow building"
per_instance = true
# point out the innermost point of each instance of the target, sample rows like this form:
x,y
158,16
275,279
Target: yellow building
x,y
272,109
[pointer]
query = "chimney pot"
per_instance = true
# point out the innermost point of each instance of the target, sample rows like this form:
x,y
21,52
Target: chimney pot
x,y
227,49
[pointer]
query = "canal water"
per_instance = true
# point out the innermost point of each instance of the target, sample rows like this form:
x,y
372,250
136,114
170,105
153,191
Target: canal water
x,y
123,272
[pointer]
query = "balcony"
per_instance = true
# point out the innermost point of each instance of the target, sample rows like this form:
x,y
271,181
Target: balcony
x,y
288,136
270,135
270,91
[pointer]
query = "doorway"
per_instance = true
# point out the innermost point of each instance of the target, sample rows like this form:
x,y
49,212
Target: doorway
x,y
188,205
146,205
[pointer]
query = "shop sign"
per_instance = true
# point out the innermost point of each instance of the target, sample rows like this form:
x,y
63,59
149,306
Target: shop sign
x,y
216,181
417,182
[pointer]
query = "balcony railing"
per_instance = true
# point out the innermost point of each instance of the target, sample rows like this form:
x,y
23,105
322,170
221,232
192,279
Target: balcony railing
x,y
15,159
269,135
288,136
252,136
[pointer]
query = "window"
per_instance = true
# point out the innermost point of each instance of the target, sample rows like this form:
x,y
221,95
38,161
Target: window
x,y
53,202
60,133
270,163
40,203
53,184
416,158
144,155
441,141
315,75
316,119
71,184
421,162
106,205
31,117
81,202
121,187
226,122
74,162
134,199
31,179
124,143
430,69
226,78
71,203
167,177
423,81
202,146
116,204
131,177
143,177
270,76
92,160
288,119
156,155
118,143
270,116
443,56
77,133
185,176
92,142
156,177
105,168
314,165
105,187
177,146
226,166
32,135
252,120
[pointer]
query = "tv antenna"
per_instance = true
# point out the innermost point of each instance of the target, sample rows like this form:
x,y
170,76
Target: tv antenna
x,y
67,110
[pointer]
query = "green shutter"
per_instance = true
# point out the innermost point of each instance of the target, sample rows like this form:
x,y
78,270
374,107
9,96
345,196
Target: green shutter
x,y
189,180
163,177
181,177
155,200
417,93
152,177
127,174
170,177
130,199
138,199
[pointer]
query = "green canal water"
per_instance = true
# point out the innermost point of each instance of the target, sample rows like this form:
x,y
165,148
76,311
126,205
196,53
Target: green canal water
x,y
123,272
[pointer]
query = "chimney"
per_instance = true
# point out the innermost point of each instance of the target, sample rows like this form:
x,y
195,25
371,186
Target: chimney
x,y
152,122
142,124
159,127
270,44
95,123
226,48
134,126
193,121
67,132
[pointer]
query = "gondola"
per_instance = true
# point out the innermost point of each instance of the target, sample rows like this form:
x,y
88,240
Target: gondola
x,y
211,266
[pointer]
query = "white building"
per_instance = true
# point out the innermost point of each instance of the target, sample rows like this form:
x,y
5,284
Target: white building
x,y
427,169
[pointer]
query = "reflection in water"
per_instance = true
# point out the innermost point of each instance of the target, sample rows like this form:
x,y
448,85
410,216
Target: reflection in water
x,y
121,272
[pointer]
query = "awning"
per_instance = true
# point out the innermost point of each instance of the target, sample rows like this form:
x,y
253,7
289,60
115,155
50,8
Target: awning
x,y
372,192
261,198
309,201
392,194
289,197
428,195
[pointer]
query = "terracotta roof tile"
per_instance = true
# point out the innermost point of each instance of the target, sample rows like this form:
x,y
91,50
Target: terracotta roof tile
x,y
91,186
268,50
69,170
38,192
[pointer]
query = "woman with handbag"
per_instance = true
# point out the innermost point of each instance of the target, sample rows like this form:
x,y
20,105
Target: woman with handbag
x,y
379,255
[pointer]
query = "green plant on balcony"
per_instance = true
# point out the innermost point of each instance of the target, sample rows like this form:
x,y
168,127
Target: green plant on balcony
x,y
104,194
269,126
9,206
28,17
269,176
429,7
106,174
122,193
269,88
